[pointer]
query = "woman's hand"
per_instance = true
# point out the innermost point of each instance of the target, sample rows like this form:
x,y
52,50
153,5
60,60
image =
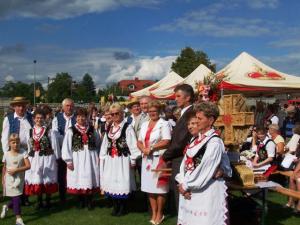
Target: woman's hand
x,y
146,151
70,166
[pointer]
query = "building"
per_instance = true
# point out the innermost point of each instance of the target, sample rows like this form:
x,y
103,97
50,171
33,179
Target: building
x,y
134,85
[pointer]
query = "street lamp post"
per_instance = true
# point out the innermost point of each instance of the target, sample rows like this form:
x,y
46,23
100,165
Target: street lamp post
x,y
34,80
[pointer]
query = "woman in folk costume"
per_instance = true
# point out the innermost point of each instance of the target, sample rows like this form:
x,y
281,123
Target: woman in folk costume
x,y
42,176
155,136
117,158
203,195
79,151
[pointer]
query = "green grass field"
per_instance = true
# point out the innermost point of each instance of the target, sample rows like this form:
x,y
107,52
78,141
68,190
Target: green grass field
x,y
69,214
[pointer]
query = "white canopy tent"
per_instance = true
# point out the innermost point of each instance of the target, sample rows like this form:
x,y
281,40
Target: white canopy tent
x,y
246,73
169,79
197,75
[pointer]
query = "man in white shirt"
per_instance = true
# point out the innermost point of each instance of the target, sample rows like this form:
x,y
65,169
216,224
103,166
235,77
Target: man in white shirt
x,y
20,122
60,124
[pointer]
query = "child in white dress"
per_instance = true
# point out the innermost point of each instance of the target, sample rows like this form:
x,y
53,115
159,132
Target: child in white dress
x,y
15,164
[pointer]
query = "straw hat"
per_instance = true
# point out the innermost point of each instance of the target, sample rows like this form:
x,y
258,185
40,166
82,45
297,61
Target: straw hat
x,y
19,101
132,102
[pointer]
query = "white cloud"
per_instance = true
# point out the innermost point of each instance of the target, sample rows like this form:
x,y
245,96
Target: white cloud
x,y
210,22
261,4
102,63
9,78
57,9
293,43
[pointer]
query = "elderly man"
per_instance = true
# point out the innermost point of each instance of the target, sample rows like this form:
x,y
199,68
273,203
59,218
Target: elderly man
x,y
144,103
20,122
60,125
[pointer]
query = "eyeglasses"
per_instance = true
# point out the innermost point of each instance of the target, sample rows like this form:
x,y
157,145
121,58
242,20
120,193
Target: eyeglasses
x,y
115,114
152,111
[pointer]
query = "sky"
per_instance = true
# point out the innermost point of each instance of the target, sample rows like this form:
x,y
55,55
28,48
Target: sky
x,y
123,39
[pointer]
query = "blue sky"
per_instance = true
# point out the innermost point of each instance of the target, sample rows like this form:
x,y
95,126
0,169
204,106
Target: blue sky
x,y
121,39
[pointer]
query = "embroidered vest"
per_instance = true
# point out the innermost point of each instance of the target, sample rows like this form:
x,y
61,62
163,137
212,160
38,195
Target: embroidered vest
x,y
121,143
14,123
262,151
197,158
77,142
61,121
43,146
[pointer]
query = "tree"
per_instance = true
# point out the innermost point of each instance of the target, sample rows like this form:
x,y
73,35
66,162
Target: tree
x,y
60,88
189,60
13,89
85,91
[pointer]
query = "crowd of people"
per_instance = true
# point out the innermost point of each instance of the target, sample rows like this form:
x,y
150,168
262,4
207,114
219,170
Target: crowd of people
x,y
82,152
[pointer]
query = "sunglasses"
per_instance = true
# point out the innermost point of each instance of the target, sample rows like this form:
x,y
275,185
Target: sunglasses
x,y
115,114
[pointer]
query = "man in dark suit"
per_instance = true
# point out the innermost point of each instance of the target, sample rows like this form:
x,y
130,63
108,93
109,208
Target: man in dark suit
x,y
184,96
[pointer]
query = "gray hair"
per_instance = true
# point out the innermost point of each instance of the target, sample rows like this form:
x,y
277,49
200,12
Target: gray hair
x,y
274,127
67,100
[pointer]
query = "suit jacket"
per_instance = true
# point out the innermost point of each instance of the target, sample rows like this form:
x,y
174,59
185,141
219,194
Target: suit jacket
x,y
180,138
139,120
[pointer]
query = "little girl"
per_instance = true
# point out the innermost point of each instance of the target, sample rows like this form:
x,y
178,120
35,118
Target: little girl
x,y
15,164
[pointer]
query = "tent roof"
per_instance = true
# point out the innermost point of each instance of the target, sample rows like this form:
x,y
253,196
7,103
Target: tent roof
x,y
170,78
245,70
197,75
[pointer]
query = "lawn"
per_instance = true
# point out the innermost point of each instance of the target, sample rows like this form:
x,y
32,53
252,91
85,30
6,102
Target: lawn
x,y
69,214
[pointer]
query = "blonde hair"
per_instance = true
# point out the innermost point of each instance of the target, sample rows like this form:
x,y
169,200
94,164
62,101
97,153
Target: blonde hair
x,y
155,104
274,127
14,137
116,106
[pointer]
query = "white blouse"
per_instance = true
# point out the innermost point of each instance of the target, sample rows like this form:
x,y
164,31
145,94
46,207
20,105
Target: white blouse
x,y
161,131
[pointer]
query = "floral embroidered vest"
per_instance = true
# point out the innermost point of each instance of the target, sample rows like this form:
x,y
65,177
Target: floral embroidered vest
x,y
191,163
262,151
43,146
77,139
120,143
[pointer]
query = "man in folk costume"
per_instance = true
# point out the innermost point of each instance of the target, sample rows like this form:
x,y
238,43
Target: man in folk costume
x,y
202,191
19,122
80,152
60,124
41,178
184,96
117,158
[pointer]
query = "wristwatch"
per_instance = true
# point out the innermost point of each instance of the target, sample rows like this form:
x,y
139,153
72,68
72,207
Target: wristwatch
x,y
151,148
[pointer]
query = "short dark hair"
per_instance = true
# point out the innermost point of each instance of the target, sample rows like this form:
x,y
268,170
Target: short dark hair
x,y
190,114
81,112
38,111
187,89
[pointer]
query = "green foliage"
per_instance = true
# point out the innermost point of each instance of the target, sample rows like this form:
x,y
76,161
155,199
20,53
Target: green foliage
x,y
85,91
13,89
60,88
112,89
189,60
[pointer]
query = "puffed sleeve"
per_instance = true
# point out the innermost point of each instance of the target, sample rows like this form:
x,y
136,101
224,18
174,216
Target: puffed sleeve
x,y
103,154
132,144
66,151
205,171
53,135
180,176
166,131
5,135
